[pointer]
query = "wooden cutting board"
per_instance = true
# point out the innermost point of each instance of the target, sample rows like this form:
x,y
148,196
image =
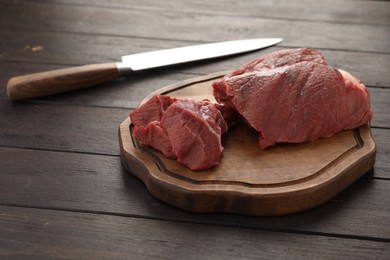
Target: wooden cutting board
x,y
283,179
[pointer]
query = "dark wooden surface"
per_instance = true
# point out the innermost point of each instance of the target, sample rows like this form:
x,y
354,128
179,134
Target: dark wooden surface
x,y
63,190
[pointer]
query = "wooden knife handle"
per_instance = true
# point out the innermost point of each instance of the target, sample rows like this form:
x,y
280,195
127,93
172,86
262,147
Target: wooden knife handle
x,y
59,81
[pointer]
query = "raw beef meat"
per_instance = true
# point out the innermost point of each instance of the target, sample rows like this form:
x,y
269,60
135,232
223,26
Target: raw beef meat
x,y
152,110
187,130
294,96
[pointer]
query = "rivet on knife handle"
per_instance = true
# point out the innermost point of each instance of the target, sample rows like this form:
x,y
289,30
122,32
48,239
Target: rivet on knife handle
x,y
59,81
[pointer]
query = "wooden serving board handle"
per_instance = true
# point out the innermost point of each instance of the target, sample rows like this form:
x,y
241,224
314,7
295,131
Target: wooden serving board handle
x,y
59,81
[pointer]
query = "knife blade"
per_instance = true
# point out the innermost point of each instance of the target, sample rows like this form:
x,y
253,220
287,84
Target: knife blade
x,y
68,79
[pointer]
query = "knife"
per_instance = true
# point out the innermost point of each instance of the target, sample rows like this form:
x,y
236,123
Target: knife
x,y
68,79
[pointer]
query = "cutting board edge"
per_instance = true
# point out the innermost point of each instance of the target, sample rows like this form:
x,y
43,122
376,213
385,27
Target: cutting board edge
x,y
229,201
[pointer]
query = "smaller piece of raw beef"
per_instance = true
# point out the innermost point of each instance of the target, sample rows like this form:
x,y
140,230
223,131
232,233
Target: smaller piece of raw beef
x,y
154,135
152,110
187,130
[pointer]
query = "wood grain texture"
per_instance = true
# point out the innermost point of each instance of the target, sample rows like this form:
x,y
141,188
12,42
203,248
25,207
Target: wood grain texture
x,y
130,22
59,81
43,126
371,68
97,183
49,234
281,180
328,10
61,152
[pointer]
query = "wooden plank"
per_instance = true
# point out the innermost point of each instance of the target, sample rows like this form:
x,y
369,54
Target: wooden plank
x,y
87,129
97,183
76,129
382,165
373,12
129,22
45,234
380,105
42,47
73,48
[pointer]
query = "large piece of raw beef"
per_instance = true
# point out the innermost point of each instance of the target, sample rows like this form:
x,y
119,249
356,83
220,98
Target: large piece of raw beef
x,y
294,96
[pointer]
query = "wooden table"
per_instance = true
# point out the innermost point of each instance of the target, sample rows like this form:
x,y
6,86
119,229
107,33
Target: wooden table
x,y
63,190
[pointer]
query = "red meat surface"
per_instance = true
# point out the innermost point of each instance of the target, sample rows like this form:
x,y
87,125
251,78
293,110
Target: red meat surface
x,y
152,110
187,130
294,96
